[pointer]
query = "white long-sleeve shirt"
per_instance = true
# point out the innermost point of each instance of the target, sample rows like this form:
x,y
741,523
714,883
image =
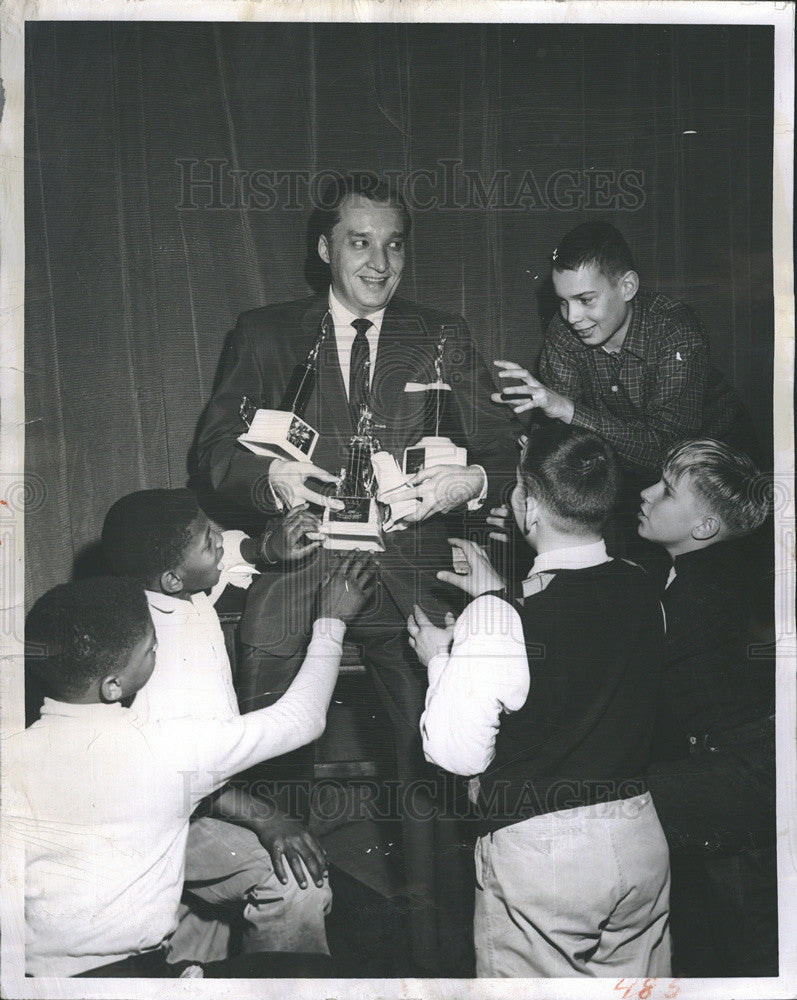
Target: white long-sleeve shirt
x,y
485,674
101,801
192,675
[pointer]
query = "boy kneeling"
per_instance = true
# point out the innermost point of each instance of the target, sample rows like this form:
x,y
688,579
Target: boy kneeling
x,y
102,799
572,873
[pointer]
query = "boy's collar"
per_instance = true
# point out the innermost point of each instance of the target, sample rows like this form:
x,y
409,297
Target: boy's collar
x,y
167,603
573,557
73,710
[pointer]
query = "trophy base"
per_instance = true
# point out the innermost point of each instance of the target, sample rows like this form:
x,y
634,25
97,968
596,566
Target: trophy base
x,y
280,434
431,451
357,526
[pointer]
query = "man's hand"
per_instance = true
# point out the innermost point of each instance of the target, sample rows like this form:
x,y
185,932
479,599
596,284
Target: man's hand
x,y
346,588
284,543
442,488
287,839
427,639
481,577
287,479
531,394
500,518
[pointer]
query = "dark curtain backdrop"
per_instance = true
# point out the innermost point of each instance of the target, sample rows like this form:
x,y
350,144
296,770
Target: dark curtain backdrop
x,y
131,291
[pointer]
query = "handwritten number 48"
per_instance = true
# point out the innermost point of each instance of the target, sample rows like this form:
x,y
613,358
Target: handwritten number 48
x,y
646,990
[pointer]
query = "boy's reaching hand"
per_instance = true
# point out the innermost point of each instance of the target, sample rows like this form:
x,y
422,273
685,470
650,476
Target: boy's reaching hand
x,y
481,577
427,639
347,586
294,538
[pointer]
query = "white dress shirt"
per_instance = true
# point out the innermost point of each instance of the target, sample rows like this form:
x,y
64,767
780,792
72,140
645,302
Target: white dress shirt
x,y
192,675
485,674
345,334
101,801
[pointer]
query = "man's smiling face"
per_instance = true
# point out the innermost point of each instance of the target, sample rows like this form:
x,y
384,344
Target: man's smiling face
x,y
365,254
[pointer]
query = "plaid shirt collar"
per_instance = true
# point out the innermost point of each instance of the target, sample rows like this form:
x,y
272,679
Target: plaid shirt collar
x,y
634,341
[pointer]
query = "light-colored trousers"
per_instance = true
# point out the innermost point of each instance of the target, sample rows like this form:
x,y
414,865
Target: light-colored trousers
x,y
580,892
227,866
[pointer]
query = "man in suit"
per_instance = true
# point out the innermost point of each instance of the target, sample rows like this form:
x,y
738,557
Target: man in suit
x,y
380,348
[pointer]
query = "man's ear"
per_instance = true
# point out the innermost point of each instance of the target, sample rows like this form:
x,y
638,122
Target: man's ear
x,y
708,528
111,688
170,582
323,248
629,285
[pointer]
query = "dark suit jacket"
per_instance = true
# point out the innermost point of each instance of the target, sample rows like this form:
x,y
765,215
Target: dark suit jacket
x,y
262,354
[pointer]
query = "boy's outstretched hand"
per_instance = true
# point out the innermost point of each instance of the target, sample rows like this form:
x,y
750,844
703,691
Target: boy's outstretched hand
x,y
427,639
294,538
347,586
481,577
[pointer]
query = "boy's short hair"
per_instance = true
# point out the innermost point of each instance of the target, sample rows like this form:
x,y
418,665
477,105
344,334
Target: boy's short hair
x,y
597,243
145,533
381,190
727,479
80,632
572,472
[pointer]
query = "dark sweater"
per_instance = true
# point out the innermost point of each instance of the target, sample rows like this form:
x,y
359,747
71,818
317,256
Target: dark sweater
x,y
716,676
594,638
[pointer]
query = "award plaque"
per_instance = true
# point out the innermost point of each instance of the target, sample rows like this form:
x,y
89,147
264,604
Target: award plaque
x,y
433,448
359,524
284,433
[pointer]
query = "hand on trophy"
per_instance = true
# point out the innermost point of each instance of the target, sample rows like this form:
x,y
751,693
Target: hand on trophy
x,y
442,488
287,479
295,537
427,639
481,577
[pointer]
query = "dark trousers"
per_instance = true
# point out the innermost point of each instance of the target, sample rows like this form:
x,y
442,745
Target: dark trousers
x,y
274,634
273,965
717,808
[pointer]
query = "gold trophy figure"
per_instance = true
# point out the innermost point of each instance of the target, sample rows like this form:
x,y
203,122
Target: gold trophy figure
x,y
433,448
359,524
284,433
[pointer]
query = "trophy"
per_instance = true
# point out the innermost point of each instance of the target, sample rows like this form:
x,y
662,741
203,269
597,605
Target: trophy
x,y
434,449
359,524
284,433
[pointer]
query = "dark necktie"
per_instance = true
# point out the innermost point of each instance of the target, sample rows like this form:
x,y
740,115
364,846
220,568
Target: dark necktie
x,y
359,369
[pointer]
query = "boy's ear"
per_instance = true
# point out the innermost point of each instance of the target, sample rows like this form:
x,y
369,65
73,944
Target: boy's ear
x,y
111,688
708,528
170,582
532,515
323,248
629,285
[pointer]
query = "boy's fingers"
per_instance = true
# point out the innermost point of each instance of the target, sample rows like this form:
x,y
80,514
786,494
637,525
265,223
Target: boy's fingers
x,y
499,536
277,862
420,615
450,619
295,861
455,579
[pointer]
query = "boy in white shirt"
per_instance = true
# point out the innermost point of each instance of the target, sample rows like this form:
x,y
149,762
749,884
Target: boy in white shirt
x,y
239,848
102,799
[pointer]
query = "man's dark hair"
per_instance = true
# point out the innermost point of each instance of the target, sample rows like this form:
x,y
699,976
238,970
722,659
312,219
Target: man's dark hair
x,y
80,632
597,243
572,472
378,189
145,533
